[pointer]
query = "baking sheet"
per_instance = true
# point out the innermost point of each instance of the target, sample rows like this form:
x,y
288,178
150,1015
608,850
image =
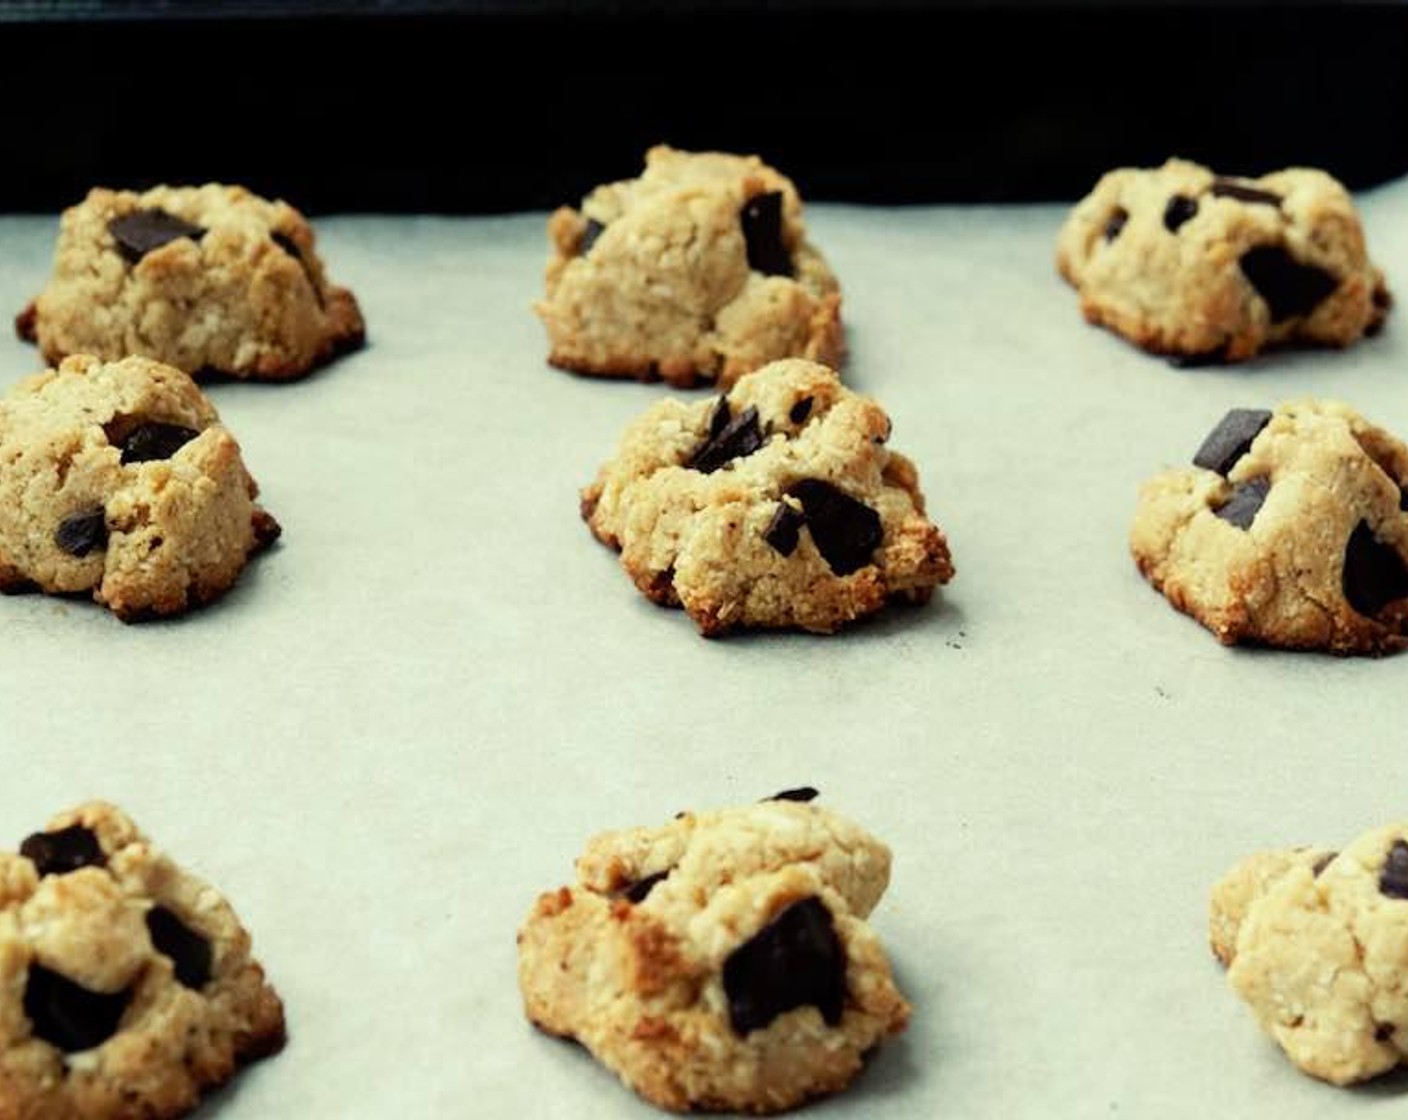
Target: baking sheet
x,y
408,717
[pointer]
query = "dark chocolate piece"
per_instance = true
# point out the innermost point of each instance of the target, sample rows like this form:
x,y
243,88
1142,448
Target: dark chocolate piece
x,y
1116,223
68,849
589,235
1383,1032
1289,287
796,960
801,793
846,532
288,245
1247,497
640,890
141,231
67,1015
762,232
80,533
800,411
1393,879
1230,188
1215,357
1322,863
154,440
785,528
1374,573
1179,209
730,437
189,952
1231,439
1402,498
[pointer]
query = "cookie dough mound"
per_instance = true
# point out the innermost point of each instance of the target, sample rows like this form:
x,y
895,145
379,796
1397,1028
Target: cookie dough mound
x,y
1184,262
1290,530
776,505
118,479
126,984
699,270
1321,952
209,279
723,961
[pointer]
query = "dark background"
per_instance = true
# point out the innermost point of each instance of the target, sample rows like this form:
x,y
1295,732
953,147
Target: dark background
x,y
481,107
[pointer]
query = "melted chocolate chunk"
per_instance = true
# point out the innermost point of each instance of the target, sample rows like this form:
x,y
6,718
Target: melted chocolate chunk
x,y
80,533
288,245
762,232
154,440
1116,222
141,231
1383,1032
1230,188
1289,287
69,1016
796,960
1402,498
589,235
785,529
1322,863
846,532
1374,573
801,793
1393,879
1215,357
730,437
68,849
1179,209
640,890
800,411
189,951
1246,500
1231,439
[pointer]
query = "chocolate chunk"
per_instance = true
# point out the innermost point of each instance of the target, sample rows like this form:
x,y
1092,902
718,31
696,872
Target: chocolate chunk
x,y
1383,1032
1402,498
68,849
800,411
796,960
784,530
1242,507
762,232
1374,573
1231,439
589,235
67,1015
846,532
640,890
141,231
1116,223
1289,287
154,440
80,533
1215,357
1393,879
189,951
1230,188
730,437
288,245
1322,863
1179,209
801,793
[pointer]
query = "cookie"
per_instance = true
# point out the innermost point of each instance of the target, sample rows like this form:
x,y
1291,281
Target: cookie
x,y
1210,269
118,479
699,270
722,961
775,505
1321,952
209,279
1290,530
126,984
1248,881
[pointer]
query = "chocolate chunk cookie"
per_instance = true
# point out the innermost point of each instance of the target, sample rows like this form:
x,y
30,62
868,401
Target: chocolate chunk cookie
x,y
209,279
774,505
722,961
699,270
126,984
1290,530
1320,952
117,478
1184,262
